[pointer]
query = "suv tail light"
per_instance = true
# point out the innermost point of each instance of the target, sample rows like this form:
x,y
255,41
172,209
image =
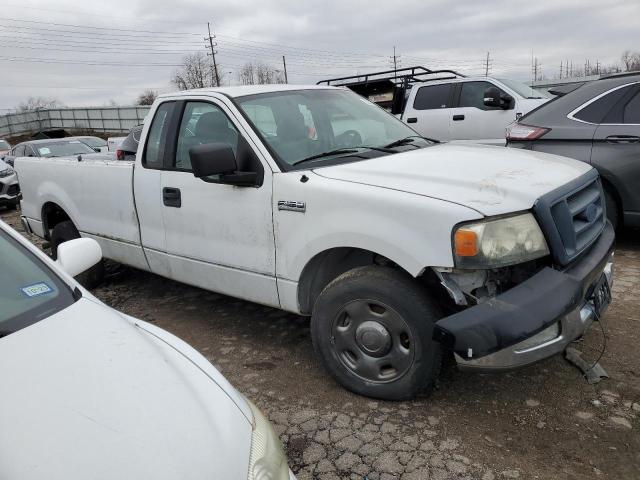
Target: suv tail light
x,y
120,154
520,132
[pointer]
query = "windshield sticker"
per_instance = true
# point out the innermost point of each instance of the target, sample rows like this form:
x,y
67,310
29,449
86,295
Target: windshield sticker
x,y
36,289
44,150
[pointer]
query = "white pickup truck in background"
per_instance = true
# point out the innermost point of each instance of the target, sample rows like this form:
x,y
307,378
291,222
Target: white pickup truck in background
x,y
316,201
446,105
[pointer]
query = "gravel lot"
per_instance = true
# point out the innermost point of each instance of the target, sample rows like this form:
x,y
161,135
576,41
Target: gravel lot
x,y
543,422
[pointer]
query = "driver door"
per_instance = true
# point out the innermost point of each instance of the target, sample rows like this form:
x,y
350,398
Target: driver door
x,y
472,120
218,237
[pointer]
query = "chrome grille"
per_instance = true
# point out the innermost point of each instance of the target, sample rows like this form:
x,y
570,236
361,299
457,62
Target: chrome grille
x,y
572,217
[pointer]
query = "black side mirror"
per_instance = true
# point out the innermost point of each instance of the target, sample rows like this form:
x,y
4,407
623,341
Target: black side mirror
x,y
493,97
218,159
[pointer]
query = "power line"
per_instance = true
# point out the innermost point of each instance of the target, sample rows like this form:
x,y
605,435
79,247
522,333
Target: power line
x,y
94,27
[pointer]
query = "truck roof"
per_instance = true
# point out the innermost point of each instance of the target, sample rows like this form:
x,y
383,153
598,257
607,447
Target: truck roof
x,y
244,90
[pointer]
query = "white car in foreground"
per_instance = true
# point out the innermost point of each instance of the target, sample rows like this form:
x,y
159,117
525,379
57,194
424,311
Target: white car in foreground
x,y
88,392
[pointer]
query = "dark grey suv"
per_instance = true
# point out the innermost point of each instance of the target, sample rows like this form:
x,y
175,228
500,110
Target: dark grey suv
x,y
598,123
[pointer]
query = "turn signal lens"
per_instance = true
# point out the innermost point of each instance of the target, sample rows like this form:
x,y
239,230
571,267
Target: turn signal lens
x,y
466,242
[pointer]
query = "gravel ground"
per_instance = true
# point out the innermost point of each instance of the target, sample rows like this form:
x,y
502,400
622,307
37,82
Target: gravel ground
x,y
543,422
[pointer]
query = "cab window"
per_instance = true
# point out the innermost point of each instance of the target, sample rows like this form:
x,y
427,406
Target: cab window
x,y
156,140
431,97
472,95
202,123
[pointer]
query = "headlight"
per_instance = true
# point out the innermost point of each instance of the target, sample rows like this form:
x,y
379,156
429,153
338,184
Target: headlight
x,y
7,171
498,243
267,460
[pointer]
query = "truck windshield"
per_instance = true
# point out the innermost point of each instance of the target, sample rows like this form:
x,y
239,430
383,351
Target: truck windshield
x,y
325,124
524,90
62,149
29,290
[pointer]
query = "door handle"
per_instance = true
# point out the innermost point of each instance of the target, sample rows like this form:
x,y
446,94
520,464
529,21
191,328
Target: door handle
x,y
412,120
622,139
457,118
171,197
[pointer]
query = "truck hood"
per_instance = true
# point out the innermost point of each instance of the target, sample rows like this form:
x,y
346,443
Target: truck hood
x,y
490,180
525,105
88,394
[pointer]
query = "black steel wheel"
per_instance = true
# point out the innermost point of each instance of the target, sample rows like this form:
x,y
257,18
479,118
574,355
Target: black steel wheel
x,y
372,328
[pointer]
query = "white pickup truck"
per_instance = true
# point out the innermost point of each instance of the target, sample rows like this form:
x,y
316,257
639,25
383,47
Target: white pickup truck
x,y
446,105
316,201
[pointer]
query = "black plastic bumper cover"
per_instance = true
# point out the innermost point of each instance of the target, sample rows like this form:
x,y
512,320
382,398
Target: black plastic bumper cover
x,y
527,308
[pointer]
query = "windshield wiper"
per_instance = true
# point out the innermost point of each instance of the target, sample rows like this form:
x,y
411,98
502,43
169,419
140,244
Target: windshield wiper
x,y
402,141
337,151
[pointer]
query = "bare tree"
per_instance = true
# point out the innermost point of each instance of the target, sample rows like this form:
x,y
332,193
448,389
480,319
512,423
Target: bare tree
x,y
147,97
38,103
196,72
631,61
259,74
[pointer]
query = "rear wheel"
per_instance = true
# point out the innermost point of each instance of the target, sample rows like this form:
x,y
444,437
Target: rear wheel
x,y
613,213
65,231
372,328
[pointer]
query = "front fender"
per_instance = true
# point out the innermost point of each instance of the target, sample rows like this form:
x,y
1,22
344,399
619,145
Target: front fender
x,y
411,230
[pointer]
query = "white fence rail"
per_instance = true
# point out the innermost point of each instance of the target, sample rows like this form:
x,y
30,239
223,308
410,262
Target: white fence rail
x,y
101,119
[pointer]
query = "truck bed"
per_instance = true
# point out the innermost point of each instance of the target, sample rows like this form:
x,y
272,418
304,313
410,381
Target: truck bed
x,y
97,195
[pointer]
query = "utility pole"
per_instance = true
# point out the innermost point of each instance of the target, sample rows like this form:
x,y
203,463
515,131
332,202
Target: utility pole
x,y
395,59
284,64
560,68
535,67
487,65
214,72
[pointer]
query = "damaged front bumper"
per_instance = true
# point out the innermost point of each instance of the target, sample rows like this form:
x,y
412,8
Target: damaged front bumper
x,y
533,320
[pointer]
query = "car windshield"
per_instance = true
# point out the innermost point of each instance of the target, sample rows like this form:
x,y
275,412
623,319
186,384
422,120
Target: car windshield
x,y
4,145
61,149
29,290
324,124
524,90
94,141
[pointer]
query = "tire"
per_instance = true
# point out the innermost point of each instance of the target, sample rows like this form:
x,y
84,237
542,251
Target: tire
x,y
372,329
612,209
65,231
12,206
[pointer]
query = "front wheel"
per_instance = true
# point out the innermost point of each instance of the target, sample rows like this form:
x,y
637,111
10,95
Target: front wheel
x,y
372,329
65,231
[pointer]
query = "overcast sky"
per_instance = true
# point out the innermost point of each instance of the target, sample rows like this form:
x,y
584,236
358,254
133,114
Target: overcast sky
x,y
91,53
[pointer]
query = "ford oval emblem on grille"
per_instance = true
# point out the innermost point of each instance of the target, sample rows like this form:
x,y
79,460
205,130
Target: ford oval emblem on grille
x,y
590,213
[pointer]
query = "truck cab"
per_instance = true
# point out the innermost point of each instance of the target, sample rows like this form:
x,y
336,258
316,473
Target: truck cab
x,y
469,109
446,105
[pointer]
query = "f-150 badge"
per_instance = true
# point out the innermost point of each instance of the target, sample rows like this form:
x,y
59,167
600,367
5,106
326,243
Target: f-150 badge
x,y
292,206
